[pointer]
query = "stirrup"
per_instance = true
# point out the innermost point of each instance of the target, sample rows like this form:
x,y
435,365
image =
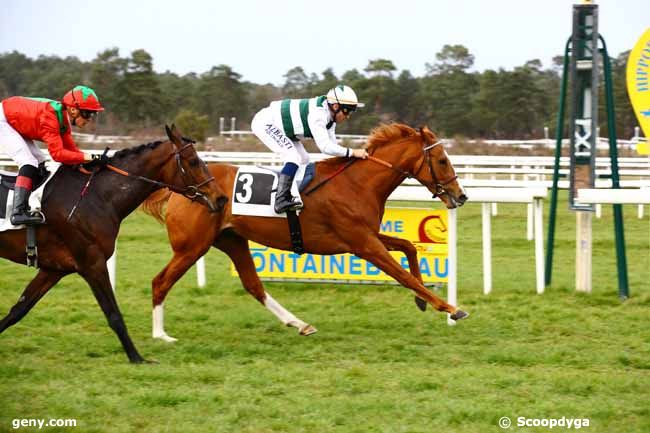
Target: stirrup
x,y
293,204
31,218
297,203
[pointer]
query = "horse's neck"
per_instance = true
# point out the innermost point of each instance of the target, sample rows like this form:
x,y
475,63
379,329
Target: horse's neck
x,y
376,179
130,192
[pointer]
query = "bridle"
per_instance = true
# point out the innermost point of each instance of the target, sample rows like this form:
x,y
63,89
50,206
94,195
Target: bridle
x,y
190,191
437,186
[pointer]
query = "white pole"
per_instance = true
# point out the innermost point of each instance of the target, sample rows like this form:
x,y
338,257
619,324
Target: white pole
x,y
640,212
200,272
538,205
494,205
583,251
222,123
111,265
530,222
451,258
487,249
599,210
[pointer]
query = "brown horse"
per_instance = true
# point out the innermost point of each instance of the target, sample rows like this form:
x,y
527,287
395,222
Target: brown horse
x,y
342,216
79,234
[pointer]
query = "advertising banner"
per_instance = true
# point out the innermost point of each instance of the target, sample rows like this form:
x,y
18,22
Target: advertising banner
x,y
425,228
638,86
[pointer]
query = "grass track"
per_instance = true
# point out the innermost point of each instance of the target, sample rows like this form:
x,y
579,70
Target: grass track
x,y
377,363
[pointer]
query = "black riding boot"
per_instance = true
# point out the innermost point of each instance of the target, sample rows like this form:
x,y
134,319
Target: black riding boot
x,y
23,189
21,214
284,201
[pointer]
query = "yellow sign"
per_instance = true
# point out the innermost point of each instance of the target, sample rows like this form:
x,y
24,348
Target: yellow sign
x,y
638,86
425,228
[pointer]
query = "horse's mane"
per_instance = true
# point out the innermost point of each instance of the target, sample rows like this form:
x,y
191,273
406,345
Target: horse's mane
x,y
142,147
136,150
382,135
387,133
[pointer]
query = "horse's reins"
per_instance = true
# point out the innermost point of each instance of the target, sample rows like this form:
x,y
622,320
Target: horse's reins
x,y
190,191
328,178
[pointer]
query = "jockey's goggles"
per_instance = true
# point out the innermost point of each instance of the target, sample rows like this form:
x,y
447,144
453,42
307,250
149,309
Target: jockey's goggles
x,y
348,109
87,114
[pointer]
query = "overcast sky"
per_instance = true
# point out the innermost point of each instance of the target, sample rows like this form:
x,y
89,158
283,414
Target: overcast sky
x,y
263,39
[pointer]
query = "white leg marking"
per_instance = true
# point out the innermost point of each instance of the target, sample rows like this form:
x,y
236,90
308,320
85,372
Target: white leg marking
x,y
286,316
159,326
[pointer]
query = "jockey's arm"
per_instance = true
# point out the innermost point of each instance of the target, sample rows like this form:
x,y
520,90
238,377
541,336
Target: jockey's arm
x,y
69,144
325,140
59,151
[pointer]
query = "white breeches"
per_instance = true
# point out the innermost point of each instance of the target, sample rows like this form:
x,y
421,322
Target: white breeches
x,y
21,150
273,137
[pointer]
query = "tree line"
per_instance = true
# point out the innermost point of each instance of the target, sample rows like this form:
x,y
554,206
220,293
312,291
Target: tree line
x,y
450,98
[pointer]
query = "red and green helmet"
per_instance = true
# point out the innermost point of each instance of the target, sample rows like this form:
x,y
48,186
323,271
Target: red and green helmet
x,y
83,98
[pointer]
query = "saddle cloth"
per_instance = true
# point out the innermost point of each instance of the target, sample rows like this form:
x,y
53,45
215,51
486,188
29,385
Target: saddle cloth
x,y
7,182
254,189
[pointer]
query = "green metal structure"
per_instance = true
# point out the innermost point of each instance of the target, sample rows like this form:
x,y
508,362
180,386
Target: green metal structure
x,y
584,80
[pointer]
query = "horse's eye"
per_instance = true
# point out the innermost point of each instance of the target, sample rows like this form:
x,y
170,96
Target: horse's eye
x,y
194,162
442,161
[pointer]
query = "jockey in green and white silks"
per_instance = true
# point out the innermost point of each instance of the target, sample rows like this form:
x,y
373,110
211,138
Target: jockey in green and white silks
x,y
284,123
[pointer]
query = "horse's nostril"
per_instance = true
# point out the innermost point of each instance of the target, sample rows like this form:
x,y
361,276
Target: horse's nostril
x,y
462,198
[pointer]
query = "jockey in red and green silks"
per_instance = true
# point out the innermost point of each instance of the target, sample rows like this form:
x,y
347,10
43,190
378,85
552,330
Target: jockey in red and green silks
x,y
23,120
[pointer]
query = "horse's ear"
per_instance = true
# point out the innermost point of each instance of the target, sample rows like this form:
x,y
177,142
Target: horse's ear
x,y
427,135
174,135
423,134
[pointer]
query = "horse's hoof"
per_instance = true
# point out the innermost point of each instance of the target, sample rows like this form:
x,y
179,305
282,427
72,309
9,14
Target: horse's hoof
x,y
421,303
459,314
308,330
166,338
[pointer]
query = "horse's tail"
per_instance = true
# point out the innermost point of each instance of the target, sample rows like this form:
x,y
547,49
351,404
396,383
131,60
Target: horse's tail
x,y
154,205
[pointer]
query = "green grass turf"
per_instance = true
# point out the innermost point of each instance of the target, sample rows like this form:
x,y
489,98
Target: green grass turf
x,y
377,364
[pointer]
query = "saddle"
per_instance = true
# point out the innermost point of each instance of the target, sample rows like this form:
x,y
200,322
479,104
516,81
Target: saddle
x,y
7,185
254,192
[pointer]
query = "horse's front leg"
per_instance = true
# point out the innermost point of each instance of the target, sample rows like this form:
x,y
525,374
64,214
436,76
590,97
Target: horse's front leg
x,y
34,291
411,253
373,250
95,273
237,249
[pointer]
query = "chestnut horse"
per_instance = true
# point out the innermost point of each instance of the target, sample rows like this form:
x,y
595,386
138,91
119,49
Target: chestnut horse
x,y
342,216
79,233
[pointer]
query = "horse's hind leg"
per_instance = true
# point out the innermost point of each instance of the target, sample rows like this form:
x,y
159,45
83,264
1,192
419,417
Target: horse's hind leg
x,y
34,291
373,250
406,247
236,247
